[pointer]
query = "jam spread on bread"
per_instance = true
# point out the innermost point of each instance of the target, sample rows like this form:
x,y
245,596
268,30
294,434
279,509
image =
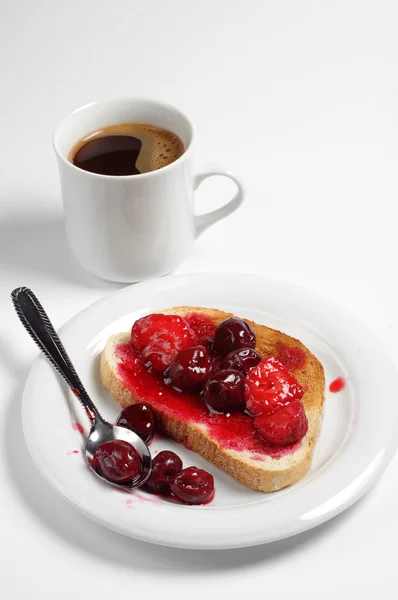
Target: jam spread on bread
x,y
246,397
189,369
293,357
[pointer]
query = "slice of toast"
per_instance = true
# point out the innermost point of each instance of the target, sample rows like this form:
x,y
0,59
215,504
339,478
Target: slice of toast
x,y
269,471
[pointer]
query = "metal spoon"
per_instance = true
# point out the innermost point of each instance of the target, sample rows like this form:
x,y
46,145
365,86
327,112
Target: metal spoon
x,y
39,326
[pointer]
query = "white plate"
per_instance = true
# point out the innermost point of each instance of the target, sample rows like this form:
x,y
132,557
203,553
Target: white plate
x,y
357,441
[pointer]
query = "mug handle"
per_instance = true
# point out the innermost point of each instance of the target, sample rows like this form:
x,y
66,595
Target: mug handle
x,y
202,222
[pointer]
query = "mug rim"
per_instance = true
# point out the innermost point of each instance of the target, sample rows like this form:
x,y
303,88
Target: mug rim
x,y
136,176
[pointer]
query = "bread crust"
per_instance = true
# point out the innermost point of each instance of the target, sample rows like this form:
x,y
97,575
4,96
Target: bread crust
x,y
269,475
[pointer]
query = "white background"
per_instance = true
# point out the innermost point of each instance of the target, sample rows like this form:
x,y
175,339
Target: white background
x,y
300,98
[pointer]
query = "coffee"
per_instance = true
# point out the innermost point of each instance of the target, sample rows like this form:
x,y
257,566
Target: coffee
x,y
126,149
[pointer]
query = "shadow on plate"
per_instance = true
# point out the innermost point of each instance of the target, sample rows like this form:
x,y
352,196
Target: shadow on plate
x,y
35,242
64,521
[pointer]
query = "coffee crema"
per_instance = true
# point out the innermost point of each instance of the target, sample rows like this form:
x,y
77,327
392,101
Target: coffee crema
x,y
126,149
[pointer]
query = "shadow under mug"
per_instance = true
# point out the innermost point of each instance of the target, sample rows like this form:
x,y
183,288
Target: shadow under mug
x,y
135,227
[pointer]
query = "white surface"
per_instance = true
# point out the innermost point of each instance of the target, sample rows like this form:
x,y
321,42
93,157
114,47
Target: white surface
x,y
127,229
300,99
350,454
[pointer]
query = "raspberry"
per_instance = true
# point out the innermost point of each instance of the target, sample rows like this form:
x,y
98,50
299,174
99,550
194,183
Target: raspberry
x,y
286,426
203,328
160,337
270,386
159,354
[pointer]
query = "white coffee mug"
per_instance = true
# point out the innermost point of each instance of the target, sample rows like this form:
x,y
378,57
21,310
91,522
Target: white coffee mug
x,y
130,228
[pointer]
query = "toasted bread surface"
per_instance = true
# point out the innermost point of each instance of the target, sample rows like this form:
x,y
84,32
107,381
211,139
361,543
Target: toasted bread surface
x,y
264,473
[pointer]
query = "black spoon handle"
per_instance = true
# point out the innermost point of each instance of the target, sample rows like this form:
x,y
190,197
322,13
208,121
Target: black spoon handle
x,y
39,326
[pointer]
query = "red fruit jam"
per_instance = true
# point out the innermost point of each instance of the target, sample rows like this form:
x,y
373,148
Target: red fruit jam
x,y
236,431
292,357
78,427
337,385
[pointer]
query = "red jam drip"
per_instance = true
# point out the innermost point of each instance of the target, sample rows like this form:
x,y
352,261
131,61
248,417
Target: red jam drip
x,y
78,427
337,385
234,431
72,452
292,357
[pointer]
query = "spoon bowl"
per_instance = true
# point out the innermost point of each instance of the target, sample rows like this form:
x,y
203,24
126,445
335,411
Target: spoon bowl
x,y
105,432
39,326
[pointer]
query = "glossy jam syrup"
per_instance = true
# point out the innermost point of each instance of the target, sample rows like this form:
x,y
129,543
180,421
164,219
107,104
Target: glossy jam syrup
x,y
337,385
292,357
235,431
72,452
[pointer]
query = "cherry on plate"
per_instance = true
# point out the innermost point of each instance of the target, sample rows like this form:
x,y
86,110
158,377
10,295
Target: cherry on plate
x,y
165,466
140,419
193,486
269,386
